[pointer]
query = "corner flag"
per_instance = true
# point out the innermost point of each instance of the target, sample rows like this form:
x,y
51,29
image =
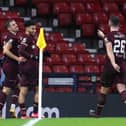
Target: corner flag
x,y
41,43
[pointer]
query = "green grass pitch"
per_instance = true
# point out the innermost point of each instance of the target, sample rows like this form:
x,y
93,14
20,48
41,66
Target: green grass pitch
x,y
67,122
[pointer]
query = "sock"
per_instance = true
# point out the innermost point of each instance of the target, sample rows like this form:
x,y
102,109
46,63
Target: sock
x,y
22,109
123,96
2,99
101,103
35,107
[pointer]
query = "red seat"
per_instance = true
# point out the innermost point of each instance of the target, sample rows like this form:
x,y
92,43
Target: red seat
x,y
63,47
61,7
47,69
49,89
81,89
21,2
93,7
110,7
100,17
76,69
123,28
77,7
85,59
83,18
124,9
12,14
92,69
69,59
63,89
88,30
43,9
54,37
65,19
78,47
104,28
54,59
50,47
60,69
100,59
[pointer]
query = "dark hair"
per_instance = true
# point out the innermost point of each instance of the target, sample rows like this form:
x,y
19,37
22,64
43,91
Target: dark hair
x,y
29,23
114,20
7,23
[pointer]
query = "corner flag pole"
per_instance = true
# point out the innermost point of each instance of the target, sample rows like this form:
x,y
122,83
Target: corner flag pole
x,y
41,43
40,83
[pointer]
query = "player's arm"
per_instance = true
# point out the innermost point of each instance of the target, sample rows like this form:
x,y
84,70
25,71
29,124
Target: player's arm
x,y
111,56
23,52
101,34
6,51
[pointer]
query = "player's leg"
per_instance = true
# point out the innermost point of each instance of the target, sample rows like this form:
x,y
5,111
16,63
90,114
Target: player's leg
x,y
35,104
14,101
122,91
3,94
101,100
106,81
21,101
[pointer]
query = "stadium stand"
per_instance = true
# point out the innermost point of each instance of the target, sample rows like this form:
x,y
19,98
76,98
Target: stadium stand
x,y
70,31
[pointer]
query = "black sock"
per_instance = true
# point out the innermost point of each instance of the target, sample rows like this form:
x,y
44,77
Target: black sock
x,y
35,107
22,109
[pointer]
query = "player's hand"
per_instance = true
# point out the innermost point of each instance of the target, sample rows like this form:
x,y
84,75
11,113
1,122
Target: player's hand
x,y
100,33
22,59
116,67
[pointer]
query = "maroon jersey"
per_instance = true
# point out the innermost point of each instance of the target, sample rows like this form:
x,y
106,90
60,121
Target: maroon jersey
x,y
118,41
28,70
110,75
10,66
14,41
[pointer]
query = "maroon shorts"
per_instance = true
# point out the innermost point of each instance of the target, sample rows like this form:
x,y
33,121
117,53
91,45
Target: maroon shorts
x,y
110,76
28,73
11,73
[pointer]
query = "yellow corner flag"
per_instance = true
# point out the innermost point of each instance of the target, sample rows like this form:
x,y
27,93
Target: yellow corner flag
x,y
41,43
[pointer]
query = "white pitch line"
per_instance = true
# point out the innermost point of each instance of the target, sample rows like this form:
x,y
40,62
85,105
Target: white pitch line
x,y
31,122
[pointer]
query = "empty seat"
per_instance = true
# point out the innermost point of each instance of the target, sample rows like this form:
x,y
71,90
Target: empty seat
x,y
78,47
60,69
93,7
83,18
104,28
63,47
76,69
91,69
54,59
61,7
63,89
47,69
88,30
100,17
124,9
12,14
85,59
21,2
65,19
54,37
69,59
100,59
43,9
110,7
77,7
50,47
